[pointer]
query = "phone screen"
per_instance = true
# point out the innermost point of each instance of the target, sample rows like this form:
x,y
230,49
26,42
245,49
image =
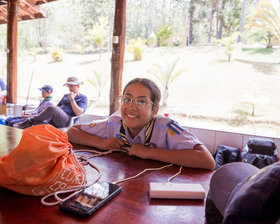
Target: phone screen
x,y
86,202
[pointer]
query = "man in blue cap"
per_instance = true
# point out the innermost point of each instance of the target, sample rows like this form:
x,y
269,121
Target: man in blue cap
x,y
44,103
72,104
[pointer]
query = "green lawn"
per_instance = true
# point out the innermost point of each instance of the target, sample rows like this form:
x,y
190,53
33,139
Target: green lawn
x,y
211,92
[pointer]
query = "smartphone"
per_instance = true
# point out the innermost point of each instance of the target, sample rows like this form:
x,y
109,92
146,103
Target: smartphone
x,y
89,200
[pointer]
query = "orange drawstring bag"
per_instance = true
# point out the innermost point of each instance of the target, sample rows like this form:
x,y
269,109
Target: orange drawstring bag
x,y
42,163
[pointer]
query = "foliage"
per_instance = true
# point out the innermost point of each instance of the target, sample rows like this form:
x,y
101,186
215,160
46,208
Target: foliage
x,y
135,29
137,47
68,22
97,33
229,43
98,80
166,74
260,36
163,35
176,41
152,40
57,54
231,17
266,18
3,39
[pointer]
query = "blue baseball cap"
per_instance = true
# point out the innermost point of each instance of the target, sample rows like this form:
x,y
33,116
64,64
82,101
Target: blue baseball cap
x,y
46,88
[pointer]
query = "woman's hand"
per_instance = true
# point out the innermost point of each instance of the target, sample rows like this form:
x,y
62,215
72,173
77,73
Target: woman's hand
x,y
138,150
111,143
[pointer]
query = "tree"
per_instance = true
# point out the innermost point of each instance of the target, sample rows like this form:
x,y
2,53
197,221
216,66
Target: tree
x,y
221,20
229,43
266,18
242,20
166,74
213,9
97,33
137,47
163,35
99,80
191,14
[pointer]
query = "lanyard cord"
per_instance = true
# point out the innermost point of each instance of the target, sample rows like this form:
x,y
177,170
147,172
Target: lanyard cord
x,y
148,132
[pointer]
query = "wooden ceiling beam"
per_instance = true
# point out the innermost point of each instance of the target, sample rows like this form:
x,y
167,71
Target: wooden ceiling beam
x,y
26,10
3,14
32,10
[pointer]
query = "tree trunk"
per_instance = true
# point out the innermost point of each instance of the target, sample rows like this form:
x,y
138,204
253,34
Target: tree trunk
x,y
211,23
221,20
191,13
217,20
239,39
153,16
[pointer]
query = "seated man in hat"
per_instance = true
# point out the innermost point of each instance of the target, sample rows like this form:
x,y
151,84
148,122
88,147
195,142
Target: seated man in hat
x,y
72,104
44,103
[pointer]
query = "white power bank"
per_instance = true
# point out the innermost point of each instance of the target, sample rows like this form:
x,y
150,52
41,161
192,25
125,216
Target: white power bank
x,y
176,190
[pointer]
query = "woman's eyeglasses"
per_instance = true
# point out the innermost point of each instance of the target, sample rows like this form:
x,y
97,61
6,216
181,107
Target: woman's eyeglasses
x,y
140,102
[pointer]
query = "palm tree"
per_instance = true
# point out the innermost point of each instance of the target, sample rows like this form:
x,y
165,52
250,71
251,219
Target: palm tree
x,y
98,33
166,74
267,18
98,81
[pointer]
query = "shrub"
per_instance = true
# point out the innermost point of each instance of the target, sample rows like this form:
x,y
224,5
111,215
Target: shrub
x,y
137,47
57,54
176,41
152,40
163,35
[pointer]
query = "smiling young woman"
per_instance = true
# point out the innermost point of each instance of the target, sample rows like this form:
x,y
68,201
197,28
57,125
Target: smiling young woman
x,y
138,129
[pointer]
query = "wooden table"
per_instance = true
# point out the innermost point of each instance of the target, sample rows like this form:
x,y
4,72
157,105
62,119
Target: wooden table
x,y
132,205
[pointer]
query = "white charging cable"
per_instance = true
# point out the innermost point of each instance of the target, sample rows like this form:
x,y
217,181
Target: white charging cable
x,y
171,178
137,175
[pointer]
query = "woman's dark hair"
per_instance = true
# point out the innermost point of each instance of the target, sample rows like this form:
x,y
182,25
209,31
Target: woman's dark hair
x,y
155,91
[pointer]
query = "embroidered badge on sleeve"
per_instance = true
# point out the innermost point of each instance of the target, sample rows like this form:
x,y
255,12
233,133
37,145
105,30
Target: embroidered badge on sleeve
x,y
171,133
174,128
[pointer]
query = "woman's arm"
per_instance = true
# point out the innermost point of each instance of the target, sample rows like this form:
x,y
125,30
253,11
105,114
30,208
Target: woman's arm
x,y
76,135
199,157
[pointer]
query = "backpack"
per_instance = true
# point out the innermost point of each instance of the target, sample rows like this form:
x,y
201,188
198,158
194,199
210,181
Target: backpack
x,y
225,154
259,152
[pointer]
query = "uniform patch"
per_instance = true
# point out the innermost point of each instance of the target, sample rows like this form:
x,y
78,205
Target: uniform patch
x,y
174,127
92,125
171,133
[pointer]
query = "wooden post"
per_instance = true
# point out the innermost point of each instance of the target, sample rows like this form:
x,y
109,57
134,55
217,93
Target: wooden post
x,y
12,52
117,54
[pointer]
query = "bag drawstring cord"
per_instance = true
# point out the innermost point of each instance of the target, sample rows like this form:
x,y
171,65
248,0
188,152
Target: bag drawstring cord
x,y
76,189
